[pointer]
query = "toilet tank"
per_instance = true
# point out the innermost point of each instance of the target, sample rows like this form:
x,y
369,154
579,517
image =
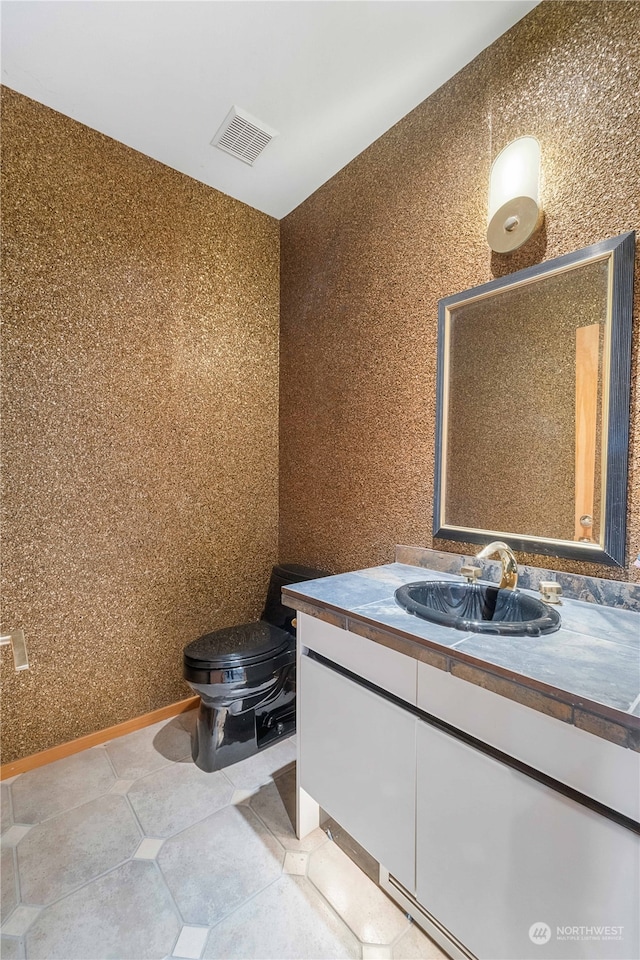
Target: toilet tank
x,y
283,574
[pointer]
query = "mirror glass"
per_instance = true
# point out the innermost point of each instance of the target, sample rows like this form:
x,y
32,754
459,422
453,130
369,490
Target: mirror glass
x,y
533,407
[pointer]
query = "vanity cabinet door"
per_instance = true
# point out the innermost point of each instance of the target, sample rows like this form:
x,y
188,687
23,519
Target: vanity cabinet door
x,y
357,760
498,853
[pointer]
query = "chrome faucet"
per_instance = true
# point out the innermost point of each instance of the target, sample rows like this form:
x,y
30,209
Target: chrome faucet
x,y
507,558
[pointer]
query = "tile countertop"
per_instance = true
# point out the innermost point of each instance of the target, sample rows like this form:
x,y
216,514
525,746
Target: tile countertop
x,y
587,673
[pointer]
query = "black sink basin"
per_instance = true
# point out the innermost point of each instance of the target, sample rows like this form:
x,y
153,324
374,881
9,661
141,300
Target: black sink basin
x,y
478,608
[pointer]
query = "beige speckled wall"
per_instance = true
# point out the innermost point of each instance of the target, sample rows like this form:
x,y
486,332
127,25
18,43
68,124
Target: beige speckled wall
x,y
366,258
140,439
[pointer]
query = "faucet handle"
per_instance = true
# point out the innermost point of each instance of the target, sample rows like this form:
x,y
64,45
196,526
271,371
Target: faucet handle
x,y
470,573
550,591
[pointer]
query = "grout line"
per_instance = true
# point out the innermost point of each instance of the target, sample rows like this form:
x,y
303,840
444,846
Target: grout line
x,y
10,796
135,816
16,882
39,907
175,942
270,832
80,886
454,646
173,899
330,906
179,915
110,761
198,926
634,704
188,826
229,781
279,841
149,773
244,903
59,813
161,766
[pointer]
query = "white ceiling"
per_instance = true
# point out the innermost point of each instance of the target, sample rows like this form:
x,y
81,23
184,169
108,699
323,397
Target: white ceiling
x,y
160,75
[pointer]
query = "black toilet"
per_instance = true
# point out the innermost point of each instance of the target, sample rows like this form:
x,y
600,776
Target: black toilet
x,y
245,676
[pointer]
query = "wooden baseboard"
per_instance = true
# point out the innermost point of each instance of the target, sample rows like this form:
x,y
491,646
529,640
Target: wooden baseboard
x,y
93,739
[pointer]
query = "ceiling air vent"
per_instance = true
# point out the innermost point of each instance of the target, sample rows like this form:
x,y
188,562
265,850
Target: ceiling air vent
x,y
243,136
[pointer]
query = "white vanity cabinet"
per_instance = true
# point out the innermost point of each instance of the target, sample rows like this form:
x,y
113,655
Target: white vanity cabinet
x,y
356,749
465,799
358,762
499,853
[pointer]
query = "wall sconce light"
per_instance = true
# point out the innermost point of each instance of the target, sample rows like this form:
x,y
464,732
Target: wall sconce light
x,y
515,212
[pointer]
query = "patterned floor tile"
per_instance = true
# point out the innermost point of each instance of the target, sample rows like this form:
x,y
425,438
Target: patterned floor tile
x,y
376,951
275,804
128,913
6,816
188,720
20,921
215,866
146,750
177,796
121,787
68,850
11,949
363,906
47,791
225,853
288,920
295,863
191,943
148,849
241,796
15,834
259,769
8,891
416,945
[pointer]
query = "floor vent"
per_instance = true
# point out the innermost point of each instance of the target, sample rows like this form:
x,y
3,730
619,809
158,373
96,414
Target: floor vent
x,y
243,136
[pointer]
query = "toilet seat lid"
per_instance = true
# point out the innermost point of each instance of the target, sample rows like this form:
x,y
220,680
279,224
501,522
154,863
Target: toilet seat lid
x,y
236,646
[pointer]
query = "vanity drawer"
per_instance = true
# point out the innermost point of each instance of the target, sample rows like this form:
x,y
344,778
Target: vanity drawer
x,y
388,669
358,761
493,843
593,766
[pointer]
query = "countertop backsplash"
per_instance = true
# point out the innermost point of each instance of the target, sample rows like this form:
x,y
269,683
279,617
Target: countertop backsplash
x,y
609,593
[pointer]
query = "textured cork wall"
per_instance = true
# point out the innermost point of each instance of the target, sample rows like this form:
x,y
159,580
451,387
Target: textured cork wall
x,y
140,380
365,260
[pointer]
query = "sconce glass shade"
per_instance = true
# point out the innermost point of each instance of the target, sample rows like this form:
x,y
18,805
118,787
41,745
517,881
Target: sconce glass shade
x,y
514,195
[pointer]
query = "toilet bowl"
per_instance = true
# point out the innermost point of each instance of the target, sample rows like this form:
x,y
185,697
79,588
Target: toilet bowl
x,y
245,676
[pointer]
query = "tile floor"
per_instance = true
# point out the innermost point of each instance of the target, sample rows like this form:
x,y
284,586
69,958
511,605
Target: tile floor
x,y
128,851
